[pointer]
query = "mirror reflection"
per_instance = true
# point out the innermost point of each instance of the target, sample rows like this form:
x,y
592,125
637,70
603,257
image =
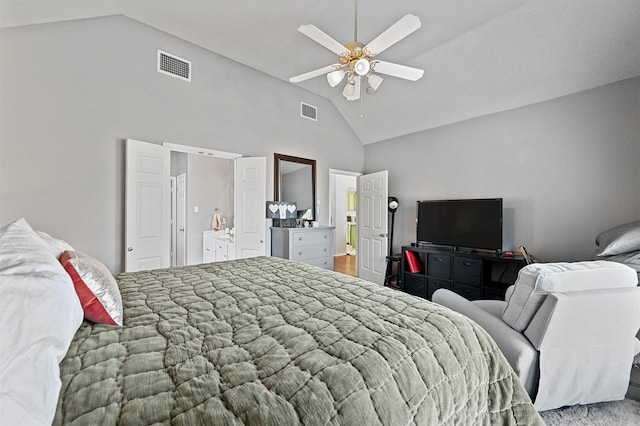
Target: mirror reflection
x,y
295,181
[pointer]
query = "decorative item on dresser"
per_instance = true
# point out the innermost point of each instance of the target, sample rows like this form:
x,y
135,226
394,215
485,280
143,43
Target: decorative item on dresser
x,y
313,246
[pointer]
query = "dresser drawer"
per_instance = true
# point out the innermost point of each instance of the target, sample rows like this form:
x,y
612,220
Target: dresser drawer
x,y
321,262
467,270
439,266
310,251
311,238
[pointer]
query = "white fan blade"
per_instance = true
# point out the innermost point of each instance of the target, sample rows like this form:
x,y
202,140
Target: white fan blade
x,y
317,35
395,70
314,73
405,26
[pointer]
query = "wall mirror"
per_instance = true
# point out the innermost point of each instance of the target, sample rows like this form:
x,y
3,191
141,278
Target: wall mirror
x,y
295,180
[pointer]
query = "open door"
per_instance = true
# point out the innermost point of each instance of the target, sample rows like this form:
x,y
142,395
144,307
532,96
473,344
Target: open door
x,y
372,226
250,203
148,206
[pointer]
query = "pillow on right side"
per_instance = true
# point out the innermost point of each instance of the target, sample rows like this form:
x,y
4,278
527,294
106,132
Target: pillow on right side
x,y
620,239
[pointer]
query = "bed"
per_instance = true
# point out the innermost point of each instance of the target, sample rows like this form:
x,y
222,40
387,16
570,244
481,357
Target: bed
x,y
266,341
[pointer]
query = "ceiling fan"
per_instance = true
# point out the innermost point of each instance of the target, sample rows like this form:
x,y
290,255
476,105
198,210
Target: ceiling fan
x,y
356,60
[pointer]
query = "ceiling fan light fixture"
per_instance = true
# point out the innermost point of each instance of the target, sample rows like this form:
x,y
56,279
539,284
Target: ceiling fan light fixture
x,y
374,81
352,89
349,89
362,66
335,77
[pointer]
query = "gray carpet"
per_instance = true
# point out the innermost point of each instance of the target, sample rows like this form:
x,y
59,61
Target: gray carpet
x,y
618,413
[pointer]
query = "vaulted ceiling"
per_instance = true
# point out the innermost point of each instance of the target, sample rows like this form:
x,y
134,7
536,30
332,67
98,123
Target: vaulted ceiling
x,y
479,56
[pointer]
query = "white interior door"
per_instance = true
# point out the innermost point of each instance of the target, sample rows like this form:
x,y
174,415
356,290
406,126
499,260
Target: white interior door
x,y
372,226
250,204
181,222
148,206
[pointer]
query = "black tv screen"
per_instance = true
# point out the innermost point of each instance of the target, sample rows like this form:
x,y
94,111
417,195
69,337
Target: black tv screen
x,y
471,223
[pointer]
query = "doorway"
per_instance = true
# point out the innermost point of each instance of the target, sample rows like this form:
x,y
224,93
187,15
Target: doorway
x,y
204,189
343,215
148,201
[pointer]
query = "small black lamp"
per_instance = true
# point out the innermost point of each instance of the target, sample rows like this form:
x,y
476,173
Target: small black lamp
x,y
393,205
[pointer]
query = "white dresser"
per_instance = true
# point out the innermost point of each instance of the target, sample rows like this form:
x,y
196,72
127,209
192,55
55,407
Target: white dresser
x,y
216,247
313,246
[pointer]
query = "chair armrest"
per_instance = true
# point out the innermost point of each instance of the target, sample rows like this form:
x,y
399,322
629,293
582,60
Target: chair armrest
x,y
515,347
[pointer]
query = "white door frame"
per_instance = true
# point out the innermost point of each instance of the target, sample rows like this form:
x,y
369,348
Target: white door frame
x,y
333,173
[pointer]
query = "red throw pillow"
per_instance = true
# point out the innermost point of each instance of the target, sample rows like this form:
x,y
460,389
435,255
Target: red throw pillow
x,y
96,288
413,261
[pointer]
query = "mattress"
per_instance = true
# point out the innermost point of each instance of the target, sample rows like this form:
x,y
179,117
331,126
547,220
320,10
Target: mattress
x,y
269,341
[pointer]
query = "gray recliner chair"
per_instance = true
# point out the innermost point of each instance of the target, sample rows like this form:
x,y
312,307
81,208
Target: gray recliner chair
x,y
567,329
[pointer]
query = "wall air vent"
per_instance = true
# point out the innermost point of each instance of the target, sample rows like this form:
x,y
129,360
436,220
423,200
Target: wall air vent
x,y
308,111
174,66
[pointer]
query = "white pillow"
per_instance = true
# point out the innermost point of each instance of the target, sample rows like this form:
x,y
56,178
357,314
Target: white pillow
x,y
39,315
56,246
537,280
620,239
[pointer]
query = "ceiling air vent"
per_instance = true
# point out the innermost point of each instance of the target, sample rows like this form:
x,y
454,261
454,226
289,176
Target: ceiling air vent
x,y
174,66
308,111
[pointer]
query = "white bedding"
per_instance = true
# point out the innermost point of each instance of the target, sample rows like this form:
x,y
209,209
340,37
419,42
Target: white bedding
x,y
39,315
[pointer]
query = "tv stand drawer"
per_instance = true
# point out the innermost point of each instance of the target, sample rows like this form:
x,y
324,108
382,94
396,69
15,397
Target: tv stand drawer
x,y
439,265
467,270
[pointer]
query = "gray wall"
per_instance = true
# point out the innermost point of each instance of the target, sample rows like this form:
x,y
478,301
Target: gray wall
x,y
72,92
567,169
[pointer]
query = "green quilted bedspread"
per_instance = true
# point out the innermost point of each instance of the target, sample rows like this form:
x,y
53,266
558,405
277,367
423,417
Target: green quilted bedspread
x,y
267,341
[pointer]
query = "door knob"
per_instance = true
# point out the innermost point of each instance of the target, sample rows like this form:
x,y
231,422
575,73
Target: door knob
x,y
129,248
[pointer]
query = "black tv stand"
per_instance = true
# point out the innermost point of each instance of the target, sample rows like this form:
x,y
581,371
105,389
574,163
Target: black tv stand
x,y
472,274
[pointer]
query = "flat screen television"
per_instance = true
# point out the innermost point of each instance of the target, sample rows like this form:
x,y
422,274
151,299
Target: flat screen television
x,y
462,224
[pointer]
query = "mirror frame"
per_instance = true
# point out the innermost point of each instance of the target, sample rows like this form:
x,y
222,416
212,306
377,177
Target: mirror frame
x,y
276,177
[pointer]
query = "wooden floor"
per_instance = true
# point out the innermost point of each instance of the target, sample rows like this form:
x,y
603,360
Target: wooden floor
x,y
345,264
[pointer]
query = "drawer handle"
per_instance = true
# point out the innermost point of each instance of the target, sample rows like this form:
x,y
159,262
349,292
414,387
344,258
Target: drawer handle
x,y
325,249
300,253
467,263
299,238
326,236
439,259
